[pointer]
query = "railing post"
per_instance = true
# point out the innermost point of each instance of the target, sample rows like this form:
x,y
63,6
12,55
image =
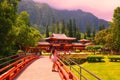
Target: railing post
x,y
70,65
8,78
80,73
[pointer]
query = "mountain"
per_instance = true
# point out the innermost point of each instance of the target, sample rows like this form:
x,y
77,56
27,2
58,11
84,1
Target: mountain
x,y
43,14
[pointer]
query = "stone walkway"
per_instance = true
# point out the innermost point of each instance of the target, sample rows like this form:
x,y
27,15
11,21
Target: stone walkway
x,y
39,70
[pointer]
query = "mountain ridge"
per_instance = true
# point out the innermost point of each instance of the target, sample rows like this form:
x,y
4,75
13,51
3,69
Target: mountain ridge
x,y
43,14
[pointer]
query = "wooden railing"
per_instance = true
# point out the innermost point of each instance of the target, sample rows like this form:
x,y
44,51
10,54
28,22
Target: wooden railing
x,y
10,71
78,70
64,72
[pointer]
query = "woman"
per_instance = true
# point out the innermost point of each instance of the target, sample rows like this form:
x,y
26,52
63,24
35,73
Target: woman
x,y
53,57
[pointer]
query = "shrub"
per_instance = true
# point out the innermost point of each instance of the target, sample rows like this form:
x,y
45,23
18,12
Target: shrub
x,y
77,60
114,58
95,58
77,51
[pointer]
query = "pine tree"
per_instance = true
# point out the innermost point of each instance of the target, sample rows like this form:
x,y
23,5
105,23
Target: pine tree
x,y
70,28
58,28
63,26
84,36
74,28
88,31
47,31
93,31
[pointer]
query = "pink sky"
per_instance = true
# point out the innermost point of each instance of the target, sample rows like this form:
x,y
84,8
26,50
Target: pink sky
x,y
101,8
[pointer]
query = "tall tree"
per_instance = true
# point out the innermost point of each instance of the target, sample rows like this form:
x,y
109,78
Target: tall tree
x,y
58,27
93,31
8,14
88,31
78,36
63,26
26,35
47,31
70,28
100,37
85,36
74,28
53,25
116,29
101,27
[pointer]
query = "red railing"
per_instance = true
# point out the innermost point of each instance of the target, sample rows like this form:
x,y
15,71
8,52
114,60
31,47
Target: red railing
x,y
13,69
64,72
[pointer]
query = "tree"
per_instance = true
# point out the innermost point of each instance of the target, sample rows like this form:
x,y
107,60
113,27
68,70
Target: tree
x,y
94,48
57,28
70,28
111,36
116,30
100,37
26,35
88,31
52,27
78,36
8,14
85,36
63,26
47,31
93,31
74,28
101,27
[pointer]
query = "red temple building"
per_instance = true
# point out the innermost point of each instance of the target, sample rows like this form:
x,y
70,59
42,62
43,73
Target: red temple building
x,y
60,41
82,44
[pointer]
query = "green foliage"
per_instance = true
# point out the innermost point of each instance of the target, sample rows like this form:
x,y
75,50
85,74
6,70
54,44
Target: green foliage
x,y
114,58
93,32
47,31
25,35
88,31
78,35
116,28
101,27
70,28
58,28
43,14
8,9
77,51
63,26
111,36
15,30
94,48
95,58
100,37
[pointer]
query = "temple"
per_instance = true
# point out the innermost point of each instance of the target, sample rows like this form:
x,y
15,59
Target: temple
x,y
62,42
81,44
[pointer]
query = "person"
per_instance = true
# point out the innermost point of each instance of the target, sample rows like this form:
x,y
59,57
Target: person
x,y
53,57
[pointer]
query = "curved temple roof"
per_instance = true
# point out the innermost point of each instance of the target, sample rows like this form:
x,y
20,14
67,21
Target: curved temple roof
x,y
59,37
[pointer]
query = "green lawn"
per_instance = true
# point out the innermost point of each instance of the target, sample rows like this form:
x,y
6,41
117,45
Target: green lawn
x,y
105,70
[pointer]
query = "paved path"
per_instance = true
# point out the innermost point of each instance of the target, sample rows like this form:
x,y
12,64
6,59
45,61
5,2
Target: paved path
x,y
39,70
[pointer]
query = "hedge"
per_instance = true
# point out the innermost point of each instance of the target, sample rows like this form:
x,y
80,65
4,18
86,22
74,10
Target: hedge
x,y
95,58
114,58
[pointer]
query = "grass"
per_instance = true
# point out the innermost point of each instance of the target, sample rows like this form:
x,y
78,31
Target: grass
x,y
105,70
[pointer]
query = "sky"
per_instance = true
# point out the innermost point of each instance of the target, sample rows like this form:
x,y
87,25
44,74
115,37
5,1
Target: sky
x,y
103,9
